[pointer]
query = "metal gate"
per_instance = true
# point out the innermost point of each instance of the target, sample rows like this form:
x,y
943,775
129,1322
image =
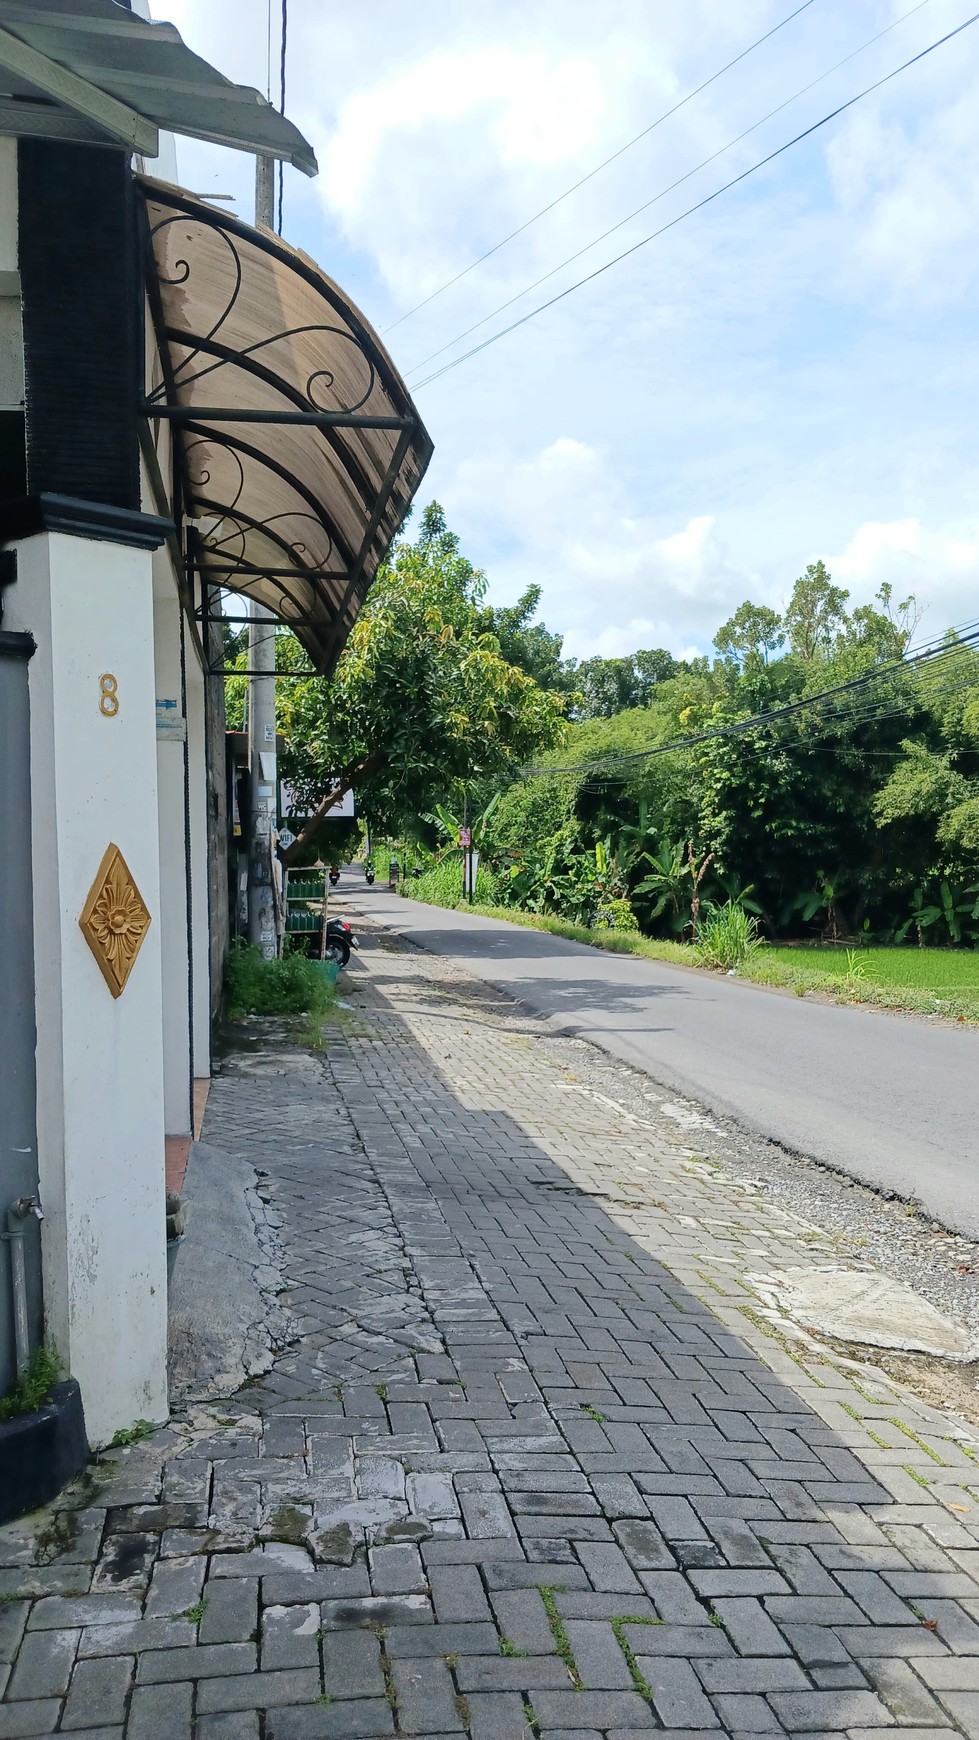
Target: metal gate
x,y
18,1135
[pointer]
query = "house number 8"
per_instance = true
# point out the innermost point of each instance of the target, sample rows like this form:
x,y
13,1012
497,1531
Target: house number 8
x,y
108,695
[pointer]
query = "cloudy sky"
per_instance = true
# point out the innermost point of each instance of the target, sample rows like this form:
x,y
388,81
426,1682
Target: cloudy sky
x,y
790,373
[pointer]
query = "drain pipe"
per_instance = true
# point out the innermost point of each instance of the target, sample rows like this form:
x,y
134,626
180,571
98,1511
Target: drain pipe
x,y
17,1213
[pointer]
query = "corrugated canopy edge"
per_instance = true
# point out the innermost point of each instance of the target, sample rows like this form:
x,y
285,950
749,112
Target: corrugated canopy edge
x,y
91,70
298,443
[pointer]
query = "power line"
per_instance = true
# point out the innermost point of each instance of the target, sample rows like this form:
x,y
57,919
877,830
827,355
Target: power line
x,y
761,721
671,188
707,200
282,97
597,169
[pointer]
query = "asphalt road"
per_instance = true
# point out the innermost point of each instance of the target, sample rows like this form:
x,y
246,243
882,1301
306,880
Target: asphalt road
x,y
891,1100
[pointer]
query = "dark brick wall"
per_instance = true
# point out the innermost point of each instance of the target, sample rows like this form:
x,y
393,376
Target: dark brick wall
x,y
82,301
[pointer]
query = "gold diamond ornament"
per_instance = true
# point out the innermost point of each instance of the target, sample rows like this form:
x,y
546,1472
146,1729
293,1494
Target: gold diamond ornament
x,y
114,920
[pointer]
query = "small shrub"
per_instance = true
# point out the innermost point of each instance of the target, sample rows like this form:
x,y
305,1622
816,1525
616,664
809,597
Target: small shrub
x,y
32,1389
614,913
290,985
441,883
728,937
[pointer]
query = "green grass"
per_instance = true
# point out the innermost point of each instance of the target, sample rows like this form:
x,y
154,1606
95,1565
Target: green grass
x,y
923,981
938,970
33,1387
290,985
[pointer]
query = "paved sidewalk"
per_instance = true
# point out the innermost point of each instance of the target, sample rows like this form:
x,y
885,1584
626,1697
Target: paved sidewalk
x,y
537,1465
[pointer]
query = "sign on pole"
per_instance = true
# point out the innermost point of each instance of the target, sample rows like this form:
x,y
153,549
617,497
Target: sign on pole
x,y
465,838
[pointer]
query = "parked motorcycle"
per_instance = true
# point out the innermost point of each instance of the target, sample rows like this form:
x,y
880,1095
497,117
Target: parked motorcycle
x,y
340,940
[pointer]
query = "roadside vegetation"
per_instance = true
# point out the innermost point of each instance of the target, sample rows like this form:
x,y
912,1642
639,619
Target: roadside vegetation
x,y
291,985
812,788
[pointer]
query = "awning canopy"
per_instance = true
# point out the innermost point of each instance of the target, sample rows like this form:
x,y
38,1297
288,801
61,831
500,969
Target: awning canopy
x,y
91,70
300,446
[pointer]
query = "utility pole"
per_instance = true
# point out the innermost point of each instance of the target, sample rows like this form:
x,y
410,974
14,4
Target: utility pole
x,y
261,705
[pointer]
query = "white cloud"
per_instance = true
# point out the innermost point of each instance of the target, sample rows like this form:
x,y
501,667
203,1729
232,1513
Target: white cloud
x,y
790,373
609,575
940,566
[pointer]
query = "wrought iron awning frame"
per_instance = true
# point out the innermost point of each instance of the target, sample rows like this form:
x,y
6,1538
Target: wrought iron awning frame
x,y
204,423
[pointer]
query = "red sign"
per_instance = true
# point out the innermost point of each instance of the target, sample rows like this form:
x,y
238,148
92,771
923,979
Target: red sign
x,y
465,838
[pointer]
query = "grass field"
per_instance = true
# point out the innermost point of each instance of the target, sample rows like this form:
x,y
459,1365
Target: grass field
x,y
935,982
939,970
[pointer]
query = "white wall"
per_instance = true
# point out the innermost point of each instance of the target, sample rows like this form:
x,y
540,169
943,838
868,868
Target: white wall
x,y
100,1103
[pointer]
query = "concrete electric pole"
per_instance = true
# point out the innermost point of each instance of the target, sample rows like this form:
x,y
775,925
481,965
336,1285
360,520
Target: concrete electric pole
x,y
261,705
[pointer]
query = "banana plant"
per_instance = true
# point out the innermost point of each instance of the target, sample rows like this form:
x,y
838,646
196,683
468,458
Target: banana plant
x,y
665,885
449,824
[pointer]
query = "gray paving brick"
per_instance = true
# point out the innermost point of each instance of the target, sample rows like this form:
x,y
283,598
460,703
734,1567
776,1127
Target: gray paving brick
x,y
599,1657
352,1663
572,1709
161,1713
57,1612
733,1582
377,1610
362,1719
608,1569
237,1725
98,1692
457,1593
754,1675
290,1637
744,1714
201,1661
426,1696
175,1585
231,1611
820,1711
28,1717
440,1639
13,1618
490,1673
673,1596
903,1693
677,1693
43,1665
813,1610
258,1691
497,1716
396,1570
749,1627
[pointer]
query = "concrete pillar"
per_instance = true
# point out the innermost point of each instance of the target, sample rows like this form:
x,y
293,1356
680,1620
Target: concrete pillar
x,y
100,1116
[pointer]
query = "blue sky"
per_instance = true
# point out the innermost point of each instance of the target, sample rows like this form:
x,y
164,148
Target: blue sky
x,y
791,373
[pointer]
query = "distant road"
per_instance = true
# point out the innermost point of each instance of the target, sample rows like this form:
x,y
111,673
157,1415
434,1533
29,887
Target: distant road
x,y
889,1099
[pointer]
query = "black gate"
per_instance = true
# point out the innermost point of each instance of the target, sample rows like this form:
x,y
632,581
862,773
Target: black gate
x,y
18,1134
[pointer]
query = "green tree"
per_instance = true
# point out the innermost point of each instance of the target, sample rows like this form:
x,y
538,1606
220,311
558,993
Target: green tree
x,y
816,613
422,702
604,687
751,633
527,644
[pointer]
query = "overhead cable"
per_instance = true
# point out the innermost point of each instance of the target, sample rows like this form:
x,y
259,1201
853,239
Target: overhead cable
x,y
598,167
699,206
671,188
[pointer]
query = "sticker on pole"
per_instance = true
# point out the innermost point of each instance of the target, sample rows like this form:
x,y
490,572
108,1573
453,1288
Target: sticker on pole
x,y
286,838
465,838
